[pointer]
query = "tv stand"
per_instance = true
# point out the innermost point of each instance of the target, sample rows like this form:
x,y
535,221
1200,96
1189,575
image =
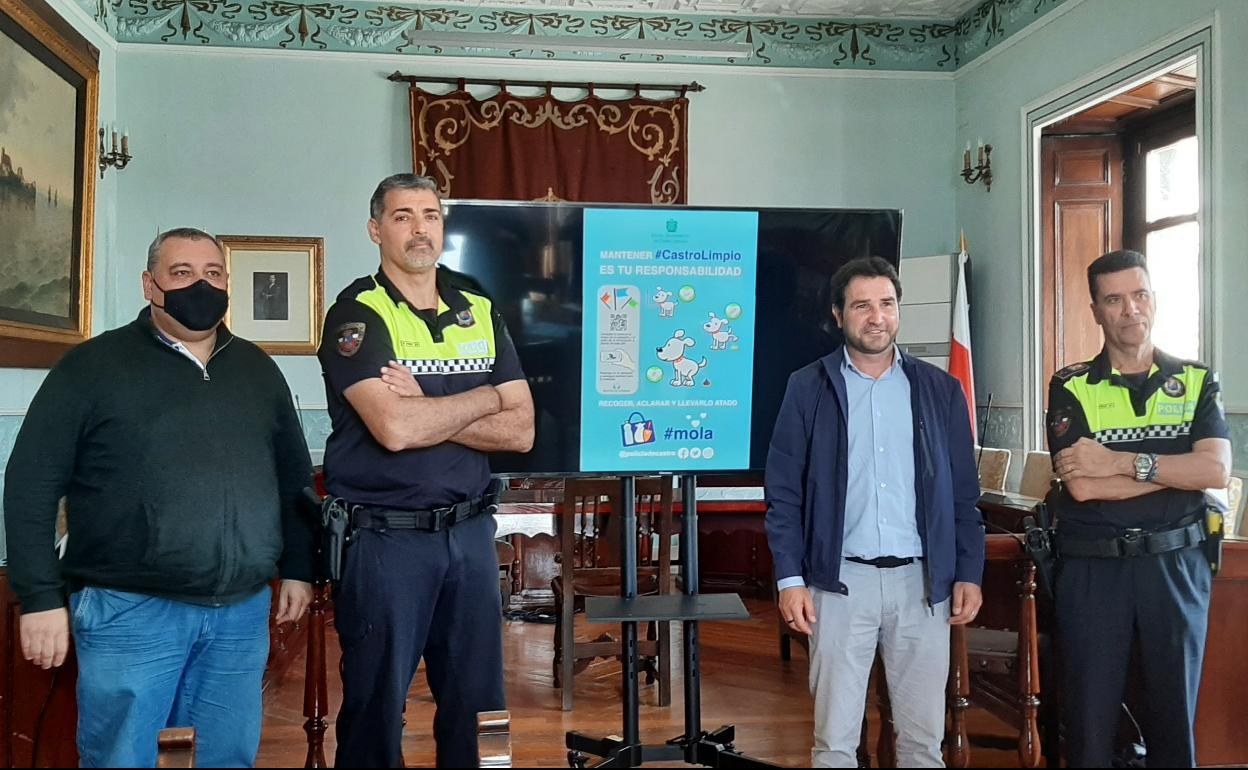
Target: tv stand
x,y
695,746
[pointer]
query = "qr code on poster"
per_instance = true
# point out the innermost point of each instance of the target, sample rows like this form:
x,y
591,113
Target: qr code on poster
x,y
619,322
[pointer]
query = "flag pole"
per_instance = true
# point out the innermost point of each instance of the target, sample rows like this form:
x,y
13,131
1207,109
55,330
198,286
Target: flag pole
x,y
960,358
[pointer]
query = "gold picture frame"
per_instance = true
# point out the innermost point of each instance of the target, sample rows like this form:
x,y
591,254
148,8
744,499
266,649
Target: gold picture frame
x,y
47,183
277,289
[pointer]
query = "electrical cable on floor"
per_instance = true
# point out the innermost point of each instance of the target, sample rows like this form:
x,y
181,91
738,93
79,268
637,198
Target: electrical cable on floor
x,y
539,615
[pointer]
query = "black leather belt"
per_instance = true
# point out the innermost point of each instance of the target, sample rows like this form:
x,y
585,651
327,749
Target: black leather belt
x,y
435,520
1133,542
883,562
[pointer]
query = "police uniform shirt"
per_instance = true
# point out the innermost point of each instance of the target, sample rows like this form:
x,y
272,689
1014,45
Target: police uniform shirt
x,y
461,346
1163,412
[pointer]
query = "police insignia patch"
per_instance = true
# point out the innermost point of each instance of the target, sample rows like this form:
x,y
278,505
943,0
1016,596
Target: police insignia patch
x,y
349,337
1059,421
1173,387
464,318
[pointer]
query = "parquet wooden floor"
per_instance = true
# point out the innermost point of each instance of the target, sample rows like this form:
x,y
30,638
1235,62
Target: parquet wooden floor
x,y
744,682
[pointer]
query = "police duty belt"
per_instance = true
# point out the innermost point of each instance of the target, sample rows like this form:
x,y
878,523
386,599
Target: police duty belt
x,y
1133,542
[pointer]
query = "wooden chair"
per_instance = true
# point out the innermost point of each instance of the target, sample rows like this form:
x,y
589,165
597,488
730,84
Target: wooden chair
x,y
734,558
589,565
994,466
1037,475
506,557
995,664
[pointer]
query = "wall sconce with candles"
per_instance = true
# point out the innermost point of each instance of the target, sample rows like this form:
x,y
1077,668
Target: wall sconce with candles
x,y
116,159
982,168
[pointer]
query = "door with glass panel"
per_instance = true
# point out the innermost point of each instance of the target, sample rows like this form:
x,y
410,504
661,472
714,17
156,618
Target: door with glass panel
x,y
1162,208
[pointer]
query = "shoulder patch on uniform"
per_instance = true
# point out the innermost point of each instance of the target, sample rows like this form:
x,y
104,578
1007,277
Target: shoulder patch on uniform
x,y
349,337
1059,421
1072,370
1173,387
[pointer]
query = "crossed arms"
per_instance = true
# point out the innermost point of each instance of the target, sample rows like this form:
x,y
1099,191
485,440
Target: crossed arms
x,y
1094,472
490,418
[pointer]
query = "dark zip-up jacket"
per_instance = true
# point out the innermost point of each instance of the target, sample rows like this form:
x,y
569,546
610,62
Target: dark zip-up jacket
x,y
180,481
807,477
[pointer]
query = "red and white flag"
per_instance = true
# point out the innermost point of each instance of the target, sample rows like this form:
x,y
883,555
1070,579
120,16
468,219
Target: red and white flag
x,y
960,346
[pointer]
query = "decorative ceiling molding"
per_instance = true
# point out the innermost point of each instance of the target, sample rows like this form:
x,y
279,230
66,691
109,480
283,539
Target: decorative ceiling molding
x,y
551,29
841,9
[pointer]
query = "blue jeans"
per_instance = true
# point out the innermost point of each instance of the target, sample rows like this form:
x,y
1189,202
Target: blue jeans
x,y
146,663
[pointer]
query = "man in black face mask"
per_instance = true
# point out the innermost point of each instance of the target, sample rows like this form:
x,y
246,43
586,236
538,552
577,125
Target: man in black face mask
x,y
177,450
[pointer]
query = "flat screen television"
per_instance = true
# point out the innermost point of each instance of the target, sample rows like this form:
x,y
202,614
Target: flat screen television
x,y
528,258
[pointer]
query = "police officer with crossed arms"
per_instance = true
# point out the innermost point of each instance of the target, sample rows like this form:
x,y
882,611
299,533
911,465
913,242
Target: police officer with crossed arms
x,y
1136,436
422,381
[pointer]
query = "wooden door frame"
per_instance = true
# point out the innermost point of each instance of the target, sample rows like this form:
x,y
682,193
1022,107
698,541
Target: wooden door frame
x,y
1192,44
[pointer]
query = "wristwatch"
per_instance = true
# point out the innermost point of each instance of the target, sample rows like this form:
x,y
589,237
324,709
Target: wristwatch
x,y
1145,466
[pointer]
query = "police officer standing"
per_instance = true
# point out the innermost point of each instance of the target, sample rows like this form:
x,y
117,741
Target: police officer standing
x,y
407,458
1136,436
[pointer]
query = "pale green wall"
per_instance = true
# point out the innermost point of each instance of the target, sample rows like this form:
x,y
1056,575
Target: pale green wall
x,y
253,142
1056,53
292,144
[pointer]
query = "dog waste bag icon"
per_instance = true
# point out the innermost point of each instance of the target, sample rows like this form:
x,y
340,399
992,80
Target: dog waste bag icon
x,y
637,430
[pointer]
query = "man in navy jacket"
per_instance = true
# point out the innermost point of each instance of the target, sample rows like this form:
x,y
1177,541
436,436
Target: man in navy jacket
x,y
872,521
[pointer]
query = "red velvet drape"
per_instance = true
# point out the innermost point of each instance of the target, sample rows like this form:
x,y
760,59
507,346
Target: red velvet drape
x,y
532,148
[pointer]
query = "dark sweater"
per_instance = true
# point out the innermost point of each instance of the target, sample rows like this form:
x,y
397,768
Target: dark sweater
x,y
180,482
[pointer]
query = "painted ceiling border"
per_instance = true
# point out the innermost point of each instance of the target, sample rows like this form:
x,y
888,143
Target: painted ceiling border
x,y
484,66
371,26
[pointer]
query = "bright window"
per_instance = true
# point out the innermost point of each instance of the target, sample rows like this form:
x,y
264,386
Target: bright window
x,y
1174,265
1173,180
1172,244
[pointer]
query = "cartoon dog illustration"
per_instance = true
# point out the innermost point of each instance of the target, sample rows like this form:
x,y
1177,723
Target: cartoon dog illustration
x,y
720,333
673,352
667,308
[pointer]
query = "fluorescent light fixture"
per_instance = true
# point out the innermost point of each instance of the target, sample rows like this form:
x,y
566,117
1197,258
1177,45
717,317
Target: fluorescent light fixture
x,y
690,48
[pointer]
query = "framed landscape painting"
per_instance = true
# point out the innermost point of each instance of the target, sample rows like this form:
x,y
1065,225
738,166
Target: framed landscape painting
x,y
49,83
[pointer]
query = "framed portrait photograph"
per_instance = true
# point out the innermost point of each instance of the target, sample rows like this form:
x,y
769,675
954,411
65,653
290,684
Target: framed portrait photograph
x,y
49,91
277,288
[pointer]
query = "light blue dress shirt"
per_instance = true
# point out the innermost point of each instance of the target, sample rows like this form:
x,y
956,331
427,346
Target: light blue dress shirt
x,y
880,515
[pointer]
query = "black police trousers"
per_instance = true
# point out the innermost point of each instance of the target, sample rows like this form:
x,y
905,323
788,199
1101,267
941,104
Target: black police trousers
x,y
1103,605
407,595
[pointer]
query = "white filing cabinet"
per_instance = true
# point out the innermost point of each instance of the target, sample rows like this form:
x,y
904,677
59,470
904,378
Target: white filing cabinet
x,y
927,287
